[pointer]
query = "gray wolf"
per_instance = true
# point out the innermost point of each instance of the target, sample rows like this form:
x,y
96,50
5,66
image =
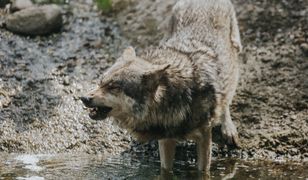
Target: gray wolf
x,y
180,89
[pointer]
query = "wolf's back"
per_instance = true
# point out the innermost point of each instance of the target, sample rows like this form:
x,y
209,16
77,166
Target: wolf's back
x,y
201,12
197,24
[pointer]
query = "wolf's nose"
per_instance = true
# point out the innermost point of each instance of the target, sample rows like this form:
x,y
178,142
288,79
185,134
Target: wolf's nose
x,y
86,100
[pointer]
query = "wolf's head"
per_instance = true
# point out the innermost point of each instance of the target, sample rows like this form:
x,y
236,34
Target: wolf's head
x,y
126,87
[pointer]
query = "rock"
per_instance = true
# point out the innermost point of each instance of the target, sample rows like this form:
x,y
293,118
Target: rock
x,y
66,81
3,3
4,99
304,47
293,117
42,20
21,4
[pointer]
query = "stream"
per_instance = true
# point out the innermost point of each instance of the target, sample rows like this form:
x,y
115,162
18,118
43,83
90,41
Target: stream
x,y
81,166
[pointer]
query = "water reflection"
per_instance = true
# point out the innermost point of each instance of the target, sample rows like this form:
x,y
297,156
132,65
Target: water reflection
x,y
40,167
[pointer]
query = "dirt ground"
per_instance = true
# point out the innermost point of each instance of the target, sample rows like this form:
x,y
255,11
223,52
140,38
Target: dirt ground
x,y
41,78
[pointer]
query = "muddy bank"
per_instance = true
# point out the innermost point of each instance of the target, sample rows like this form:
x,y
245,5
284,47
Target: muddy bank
x,y
271,106
42,77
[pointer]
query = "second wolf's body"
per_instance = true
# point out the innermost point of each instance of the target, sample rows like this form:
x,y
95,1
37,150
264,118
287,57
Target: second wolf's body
x,y
180,89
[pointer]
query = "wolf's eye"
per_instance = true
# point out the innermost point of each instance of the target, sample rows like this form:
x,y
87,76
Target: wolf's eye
x,y
113,86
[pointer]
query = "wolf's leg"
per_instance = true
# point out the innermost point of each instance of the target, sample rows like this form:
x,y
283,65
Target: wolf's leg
x,y
235,33
204,149
166,152
228,128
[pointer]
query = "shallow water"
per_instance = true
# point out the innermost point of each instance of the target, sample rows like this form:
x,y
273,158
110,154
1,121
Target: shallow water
x,y
39,167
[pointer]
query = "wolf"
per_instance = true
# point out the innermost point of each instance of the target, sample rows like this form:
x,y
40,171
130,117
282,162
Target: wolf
x,y
180,89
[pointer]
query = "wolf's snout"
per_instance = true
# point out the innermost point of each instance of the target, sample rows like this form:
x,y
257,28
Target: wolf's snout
x,y
87,101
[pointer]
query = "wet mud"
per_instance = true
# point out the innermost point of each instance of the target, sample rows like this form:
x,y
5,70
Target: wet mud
x,y
42,77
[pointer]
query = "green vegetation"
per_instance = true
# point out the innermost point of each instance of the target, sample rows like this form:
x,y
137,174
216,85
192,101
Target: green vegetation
x,y
105,5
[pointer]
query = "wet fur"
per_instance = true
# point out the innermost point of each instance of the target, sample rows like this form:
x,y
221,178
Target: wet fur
x,y
182,88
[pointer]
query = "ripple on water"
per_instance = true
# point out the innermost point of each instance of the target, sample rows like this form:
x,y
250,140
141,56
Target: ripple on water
x,y
30,178
30,162
82,166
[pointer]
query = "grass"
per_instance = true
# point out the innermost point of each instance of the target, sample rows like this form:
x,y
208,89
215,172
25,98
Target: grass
x,y
104,5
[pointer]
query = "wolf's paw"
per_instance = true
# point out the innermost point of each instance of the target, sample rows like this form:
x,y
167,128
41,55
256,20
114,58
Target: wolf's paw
x,y
230,134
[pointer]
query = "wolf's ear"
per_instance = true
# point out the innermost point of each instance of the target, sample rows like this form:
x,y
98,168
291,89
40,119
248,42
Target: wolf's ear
x,y
129,53
158,69
156,73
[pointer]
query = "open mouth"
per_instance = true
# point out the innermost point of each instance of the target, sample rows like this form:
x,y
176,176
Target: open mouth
x,y
99,113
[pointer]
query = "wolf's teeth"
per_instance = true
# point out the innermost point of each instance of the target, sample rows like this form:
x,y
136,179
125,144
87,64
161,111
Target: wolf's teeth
x,y
92,110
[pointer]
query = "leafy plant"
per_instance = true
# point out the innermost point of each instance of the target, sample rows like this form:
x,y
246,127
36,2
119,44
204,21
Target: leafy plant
x,y
105,5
